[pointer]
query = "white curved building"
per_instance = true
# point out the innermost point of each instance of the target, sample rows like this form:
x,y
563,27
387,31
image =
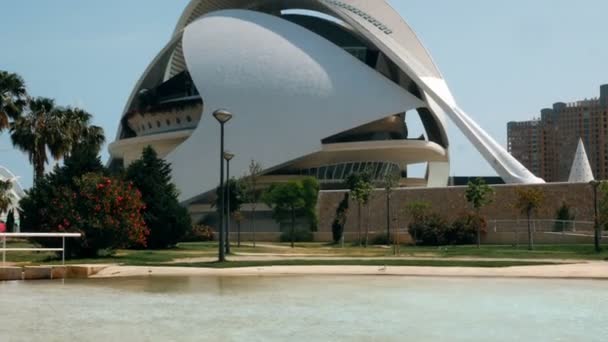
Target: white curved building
x,y
317,87
16,193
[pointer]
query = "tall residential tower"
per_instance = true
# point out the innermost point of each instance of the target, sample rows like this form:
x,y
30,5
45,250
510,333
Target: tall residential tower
x,y
547,146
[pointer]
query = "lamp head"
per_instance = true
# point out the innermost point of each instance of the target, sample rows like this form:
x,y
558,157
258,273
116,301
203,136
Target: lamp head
x,y
222,115
228,156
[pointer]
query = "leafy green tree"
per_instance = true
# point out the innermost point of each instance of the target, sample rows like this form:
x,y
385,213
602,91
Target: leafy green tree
x,y
5,197
479,194
289,199
238,217
529,200
13,98
10,221
236,195
601,211
361,188
337,226
418,210
166,219
310,194
252,193
390,181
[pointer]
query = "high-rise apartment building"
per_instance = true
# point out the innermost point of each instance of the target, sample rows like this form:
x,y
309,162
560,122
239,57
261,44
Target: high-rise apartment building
x,y
547,146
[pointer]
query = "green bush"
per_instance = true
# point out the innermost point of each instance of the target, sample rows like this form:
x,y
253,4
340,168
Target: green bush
x,y
464,230
380,240
79,197
200,233
434,230
106,211
430,230
563,215
301,235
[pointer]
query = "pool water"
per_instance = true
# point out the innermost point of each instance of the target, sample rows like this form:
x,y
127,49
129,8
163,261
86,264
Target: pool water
x,y
304,308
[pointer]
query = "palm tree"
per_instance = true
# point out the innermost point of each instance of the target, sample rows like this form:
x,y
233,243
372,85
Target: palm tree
x,y
39,131
13,98
79,131
528,202
94,137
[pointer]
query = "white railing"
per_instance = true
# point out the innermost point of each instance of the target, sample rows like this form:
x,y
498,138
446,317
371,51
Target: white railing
x,y
42,235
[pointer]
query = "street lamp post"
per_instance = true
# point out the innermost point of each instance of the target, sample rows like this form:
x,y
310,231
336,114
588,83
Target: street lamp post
x,y
228,156
222,116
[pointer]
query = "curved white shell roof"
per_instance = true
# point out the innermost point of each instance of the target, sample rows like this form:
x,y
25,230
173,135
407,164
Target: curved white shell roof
x,y
378,10
291,88
287,87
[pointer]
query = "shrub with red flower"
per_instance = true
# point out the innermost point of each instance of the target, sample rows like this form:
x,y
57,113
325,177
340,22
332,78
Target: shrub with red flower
x,y
108,212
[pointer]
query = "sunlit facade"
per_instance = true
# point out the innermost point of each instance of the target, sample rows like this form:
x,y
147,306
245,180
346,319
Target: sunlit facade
x,y
318,88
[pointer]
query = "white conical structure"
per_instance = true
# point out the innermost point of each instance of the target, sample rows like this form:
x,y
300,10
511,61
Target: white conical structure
x,y
581,169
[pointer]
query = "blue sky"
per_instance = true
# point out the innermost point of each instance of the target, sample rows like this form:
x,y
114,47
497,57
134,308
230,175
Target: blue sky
x,y
503,60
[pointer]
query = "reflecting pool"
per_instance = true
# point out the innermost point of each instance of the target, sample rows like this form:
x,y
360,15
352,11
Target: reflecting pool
x,y
305,308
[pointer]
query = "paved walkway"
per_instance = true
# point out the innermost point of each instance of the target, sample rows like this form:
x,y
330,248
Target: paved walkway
x,y
279,257
588,270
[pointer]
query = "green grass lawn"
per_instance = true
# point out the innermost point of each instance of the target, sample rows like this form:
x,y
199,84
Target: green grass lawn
x,y
582,252
365,262
578,252
437,256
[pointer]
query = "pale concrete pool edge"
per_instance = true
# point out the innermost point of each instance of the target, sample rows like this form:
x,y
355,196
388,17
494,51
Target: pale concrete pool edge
x,y
589,270
44,272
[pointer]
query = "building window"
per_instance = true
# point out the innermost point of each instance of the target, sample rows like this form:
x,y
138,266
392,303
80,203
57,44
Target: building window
x,y
340,172
158,124
168,122
348,170
189,118
321,174
179,121
149,125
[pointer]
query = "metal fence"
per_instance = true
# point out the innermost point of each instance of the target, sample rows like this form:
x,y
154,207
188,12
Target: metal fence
x,y
554,226
547,231
511,232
